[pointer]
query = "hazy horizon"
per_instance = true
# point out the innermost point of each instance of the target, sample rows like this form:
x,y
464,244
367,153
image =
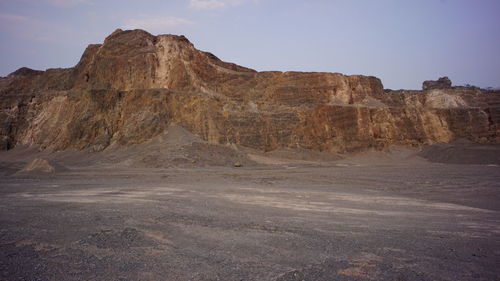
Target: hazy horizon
x,y
401,42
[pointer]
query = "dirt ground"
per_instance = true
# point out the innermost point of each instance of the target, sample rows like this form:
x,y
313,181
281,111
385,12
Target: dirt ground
x,y
390,216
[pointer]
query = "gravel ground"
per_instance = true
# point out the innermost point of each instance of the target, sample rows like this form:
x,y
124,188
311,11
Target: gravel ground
x,y
328,221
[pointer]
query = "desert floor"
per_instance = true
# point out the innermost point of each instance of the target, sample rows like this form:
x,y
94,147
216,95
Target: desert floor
x,y
364,218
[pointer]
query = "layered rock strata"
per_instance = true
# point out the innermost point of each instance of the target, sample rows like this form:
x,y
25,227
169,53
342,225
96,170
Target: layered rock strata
x,y
130,88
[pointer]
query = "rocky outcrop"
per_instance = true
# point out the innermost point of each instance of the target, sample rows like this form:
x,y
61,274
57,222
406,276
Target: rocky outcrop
x,y
133,86
441,83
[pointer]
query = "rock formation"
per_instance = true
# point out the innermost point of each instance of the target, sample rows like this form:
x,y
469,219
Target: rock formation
x,y
130,88
441,83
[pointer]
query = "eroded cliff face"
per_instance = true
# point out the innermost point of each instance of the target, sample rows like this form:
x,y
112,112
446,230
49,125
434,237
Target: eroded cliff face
x,y
130,88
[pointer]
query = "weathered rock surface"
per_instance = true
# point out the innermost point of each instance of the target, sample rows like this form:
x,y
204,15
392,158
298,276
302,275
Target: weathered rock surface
x,y
130,88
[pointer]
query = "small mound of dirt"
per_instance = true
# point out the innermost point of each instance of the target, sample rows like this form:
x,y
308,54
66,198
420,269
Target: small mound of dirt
x,y
196,154
39,166
463,152
176,147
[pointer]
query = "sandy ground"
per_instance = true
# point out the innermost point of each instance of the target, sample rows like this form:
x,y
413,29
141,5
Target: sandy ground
x,y
390,216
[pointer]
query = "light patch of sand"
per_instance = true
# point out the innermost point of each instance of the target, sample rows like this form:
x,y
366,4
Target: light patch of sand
x,y
371,199
298,204
104,195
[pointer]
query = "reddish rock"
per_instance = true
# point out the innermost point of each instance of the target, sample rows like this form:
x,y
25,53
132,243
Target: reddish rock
x,y
130,88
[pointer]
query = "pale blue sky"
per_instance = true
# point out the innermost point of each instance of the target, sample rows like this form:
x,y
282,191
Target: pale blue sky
x,y
403,42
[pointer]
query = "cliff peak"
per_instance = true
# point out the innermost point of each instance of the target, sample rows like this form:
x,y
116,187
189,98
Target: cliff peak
x,y
25,71
128,35
139,34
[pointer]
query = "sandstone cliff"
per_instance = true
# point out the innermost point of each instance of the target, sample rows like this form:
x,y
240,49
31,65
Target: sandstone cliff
x,y
130,88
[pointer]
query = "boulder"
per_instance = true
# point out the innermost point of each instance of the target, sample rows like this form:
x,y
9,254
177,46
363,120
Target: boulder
x,y
441,83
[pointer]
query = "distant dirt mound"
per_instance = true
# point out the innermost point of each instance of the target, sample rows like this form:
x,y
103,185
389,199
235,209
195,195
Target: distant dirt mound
x,y
41,166
176,147
463,152
193,155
